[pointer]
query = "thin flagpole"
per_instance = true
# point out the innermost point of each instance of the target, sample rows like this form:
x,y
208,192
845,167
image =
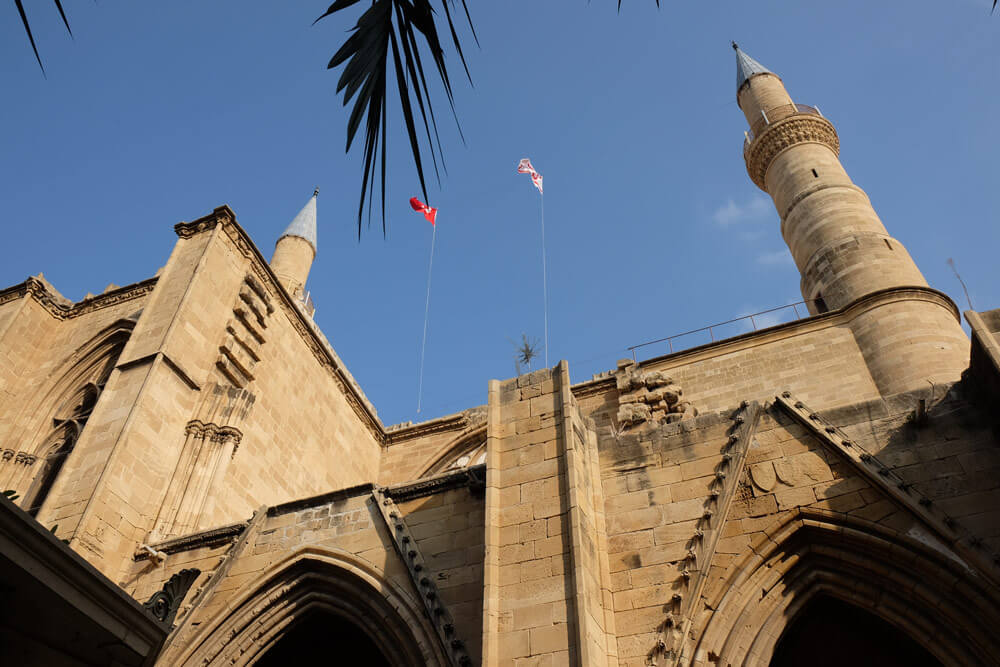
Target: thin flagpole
x,y
427,310
545,288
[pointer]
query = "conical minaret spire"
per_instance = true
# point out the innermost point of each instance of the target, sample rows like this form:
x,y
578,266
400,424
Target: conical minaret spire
x,y
303,225
296,249
746,67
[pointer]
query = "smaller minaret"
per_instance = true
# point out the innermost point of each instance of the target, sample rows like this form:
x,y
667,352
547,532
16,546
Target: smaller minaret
x,y
296,249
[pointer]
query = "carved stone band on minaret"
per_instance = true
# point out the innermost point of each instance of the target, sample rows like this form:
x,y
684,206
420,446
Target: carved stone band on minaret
x,y
778,136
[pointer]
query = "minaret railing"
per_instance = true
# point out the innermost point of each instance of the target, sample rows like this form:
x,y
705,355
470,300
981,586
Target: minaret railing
x,y
770,116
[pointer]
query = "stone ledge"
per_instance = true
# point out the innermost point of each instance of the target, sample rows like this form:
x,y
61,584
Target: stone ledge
x,y
209,538
322,499
466,477
57,306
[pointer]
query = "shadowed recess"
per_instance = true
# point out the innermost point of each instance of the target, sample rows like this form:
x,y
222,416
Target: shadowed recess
x,y
830,632
324,639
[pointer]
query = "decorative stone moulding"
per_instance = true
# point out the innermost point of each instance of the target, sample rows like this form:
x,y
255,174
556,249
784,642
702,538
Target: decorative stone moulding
x,y
24,458
62,309
166,601
782,134
649,396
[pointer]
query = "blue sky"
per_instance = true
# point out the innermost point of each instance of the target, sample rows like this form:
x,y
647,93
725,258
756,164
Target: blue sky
x,y
158,112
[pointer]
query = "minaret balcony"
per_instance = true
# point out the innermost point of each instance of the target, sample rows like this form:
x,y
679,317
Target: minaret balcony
x,y
775,114
781,127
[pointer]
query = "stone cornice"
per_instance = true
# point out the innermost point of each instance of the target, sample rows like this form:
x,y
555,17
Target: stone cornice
x,y
457,479
455,422
224,217
322,499
598,385
782,134
207,538
40,293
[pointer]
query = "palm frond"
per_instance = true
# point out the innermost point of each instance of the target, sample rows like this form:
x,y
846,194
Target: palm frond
x,y
394,29
27,27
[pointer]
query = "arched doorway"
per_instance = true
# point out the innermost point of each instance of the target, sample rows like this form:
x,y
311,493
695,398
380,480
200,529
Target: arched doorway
x,y
907,581
324,639
829,632
295,613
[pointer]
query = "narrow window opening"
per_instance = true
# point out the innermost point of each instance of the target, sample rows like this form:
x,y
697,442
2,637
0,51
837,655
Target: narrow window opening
x,y
887,244
820,304
815,173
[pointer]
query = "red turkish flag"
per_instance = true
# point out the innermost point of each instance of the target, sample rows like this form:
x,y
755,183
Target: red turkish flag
x,y
420,207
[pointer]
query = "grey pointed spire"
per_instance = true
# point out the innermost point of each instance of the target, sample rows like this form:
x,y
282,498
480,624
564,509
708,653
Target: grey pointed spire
x,y
746,67
303,225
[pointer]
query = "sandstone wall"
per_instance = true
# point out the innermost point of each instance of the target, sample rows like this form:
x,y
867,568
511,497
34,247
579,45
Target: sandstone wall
x,y
299,428
415,449
686,505
450,531
51,350
341,535
816,359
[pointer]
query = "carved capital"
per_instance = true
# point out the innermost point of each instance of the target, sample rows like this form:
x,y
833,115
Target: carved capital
x,y
226,434
780,135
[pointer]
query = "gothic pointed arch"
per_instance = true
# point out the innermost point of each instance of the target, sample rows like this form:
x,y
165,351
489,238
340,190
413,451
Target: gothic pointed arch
x,y
911,581
311,582
466,449
74,386
59,412
52,456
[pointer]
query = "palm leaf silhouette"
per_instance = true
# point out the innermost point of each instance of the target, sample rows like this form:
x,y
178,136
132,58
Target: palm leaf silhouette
x,y
27,27
393,29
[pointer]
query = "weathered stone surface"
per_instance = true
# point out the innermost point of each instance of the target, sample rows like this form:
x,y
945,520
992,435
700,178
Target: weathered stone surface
x,y
763,475
802,469
633,413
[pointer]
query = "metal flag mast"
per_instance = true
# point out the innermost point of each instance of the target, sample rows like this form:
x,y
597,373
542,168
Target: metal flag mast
x,y
427,310
431,215
545,288
524,167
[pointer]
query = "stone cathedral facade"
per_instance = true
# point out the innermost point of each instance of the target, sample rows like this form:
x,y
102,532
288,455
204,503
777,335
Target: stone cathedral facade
x,y
814,492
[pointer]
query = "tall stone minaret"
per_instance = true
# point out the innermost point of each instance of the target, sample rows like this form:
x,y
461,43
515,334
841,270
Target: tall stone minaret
x,y
909,333
296,249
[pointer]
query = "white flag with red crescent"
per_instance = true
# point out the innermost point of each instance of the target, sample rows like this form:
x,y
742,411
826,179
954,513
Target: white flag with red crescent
x,y
524,167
